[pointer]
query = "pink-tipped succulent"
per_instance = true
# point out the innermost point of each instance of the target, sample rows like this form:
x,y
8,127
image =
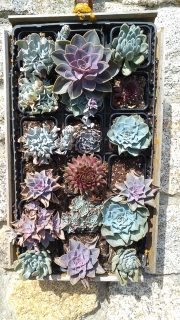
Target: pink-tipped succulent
x,y
127,92
40,186
81,262
85,174
138,190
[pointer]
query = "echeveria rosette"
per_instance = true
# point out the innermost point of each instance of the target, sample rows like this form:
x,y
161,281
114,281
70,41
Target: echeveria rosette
x,y
121,225
33,264
88,141
81,262
85,174
137,190
84,66
40,186
131,134
125,265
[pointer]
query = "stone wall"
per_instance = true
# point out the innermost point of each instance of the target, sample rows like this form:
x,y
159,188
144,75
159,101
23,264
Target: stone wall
x,y
157,297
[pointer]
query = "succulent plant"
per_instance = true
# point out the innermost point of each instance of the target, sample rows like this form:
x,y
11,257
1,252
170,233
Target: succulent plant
x,y
38,225
83,215
85,174
128,92
88,141
36,55
138,190
64,33
84,66
125,264
121,225
33,264
66,140
35,97
129,49
78,105
81,262
40,143
130,133
40,186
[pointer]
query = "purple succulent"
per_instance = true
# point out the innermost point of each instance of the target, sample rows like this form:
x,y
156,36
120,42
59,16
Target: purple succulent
x,y
81,262
40,186
84,66
92,104
138,190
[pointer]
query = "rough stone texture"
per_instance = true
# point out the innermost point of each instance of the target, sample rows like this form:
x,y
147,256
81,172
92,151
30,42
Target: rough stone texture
x,y
158,297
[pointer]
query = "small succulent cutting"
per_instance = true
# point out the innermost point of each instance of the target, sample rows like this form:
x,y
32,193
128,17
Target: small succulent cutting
x,y
85,174
125,265
83,215
130,48
40,143
137,190
35,97
88,140
84,66
40,186
130,133
81,262
66,140
33,264
128,92
121,225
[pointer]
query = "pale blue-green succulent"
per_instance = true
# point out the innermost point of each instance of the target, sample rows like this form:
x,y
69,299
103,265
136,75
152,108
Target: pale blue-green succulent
x,y
125,265
130,48
66,140
130,133
33,264
63,34
40,143
121,226
35,97
83,215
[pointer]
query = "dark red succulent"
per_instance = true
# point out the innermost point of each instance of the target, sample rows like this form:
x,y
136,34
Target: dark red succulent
x,y
126,92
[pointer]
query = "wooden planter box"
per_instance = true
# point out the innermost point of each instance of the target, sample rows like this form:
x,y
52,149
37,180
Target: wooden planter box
x,y
153,221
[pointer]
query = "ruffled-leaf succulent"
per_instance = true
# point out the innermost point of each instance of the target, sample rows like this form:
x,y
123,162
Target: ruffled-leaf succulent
x,y
85,174
33,264
121,225
84,66
130,48
137,190
81,262
88,141
130,133
83,215
125,265
66,140
40,143
35,97
40,186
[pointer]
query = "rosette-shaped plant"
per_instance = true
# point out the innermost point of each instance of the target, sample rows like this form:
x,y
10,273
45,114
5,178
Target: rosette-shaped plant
x,y
83,215
129,49
130,133
66,140
40,186
85,174
121,226
81,262
137,190
88,141
33,264
35,97
125,264
40,143
36,55
84,66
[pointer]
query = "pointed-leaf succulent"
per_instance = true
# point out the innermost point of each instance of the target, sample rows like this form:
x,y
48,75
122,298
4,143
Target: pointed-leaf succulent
x,y
137,190
40,186
125,265
84,174
84,66
121,225
81,262
88,141
33,264
130,48
130,133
